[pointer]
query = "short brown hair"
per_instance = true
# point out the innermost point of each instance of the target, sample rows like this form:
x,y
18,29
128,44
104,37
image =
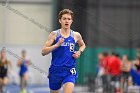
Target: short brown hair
x,y
23,51
65,11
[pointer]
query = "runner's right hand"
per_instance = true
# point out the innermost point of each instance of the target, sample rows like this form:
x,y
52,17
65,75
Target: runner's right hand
x,y
60,41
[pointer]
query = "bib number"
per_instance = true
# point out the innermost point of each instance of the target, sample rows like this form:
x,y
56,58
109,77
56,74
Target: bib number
x,y
73,71
71,47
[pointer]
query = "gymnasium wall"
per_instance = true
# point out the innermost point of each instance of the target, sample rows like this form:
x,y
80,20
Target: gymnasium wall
x,y
25,24
17,30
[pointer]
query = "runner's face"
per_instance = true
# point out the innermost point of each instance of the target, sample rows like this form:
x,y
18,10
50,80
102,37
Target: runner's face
x,y
66,21
23,54
3,53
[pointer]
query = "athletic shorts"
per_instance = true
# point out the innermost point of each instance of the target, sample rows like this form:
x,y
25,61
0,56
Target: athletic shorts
x,y
61,75
3,75
21,73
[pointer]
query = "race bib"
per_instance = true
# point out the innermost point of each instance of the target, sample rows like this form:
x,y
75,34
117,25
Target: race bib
x,y
73,71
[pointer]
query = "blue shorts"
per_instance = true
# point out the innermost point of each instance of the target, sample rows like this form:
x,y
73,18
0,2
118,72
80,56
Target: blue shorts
x,y
61,75
136,76
21,73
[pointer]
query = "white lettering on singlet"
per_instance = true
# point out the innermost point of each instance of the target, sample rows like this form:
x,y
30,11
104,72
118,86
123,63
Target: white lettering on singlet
x,y
71,45
65,44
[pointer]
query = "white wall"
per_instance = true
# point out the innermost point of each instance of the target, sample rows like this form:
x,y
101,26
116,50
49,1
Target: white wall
x,y
17,33
18,30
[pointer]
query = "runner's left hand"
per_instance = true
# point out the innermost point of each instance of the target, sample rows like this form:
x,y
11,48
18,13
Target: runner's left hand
x,y
76,54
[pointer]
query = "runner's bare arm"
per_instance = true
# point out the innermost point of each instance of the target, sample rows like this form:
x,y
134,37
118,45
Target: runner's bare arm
x,y
48,47
129,66
19,62
80,42
28,62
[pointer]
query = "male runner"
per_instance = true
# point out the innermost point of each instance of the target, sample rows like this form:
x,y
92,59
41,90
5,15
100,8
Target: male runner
x,y
62,44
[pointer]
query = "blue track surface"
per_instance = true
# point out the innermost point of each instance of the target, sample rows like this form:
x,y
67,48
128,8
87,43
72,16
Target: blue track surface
x,y
36,89
30,89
